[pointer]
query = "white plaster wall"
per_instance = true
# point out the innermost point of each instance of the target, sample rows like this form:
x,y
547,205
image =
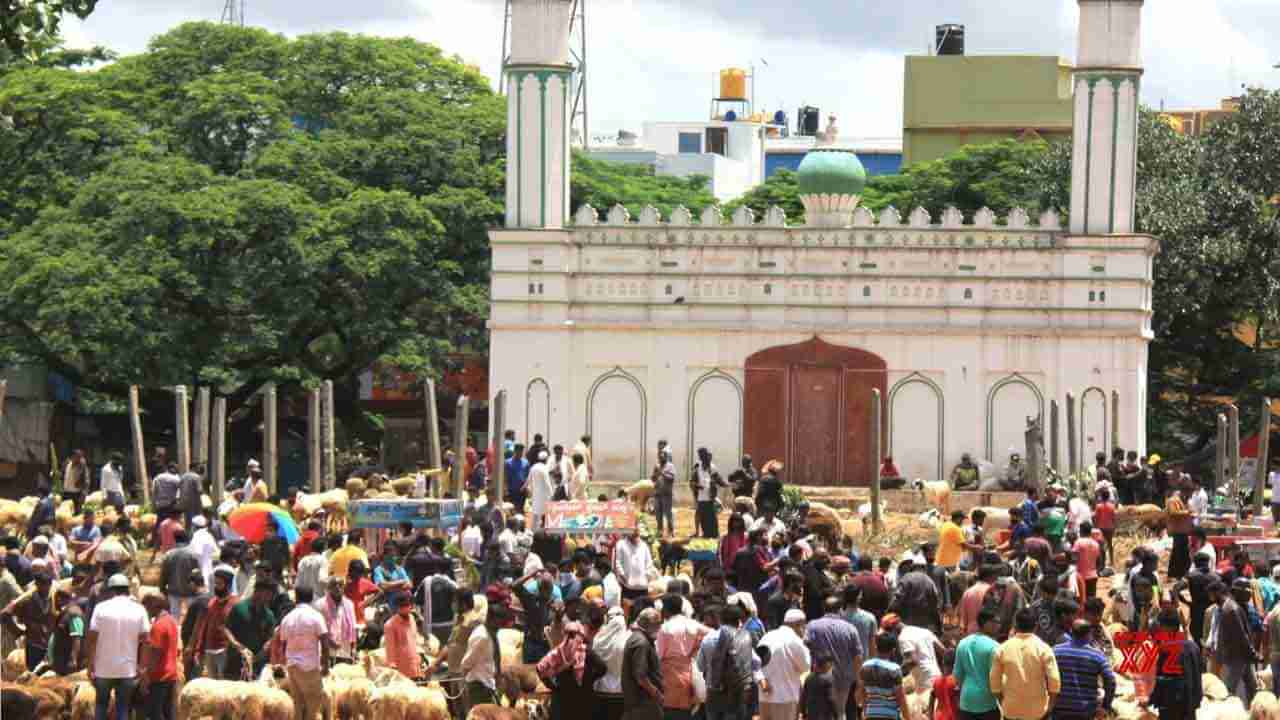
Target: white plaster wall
x,y
1101,152
717,419
915,425
540,31
1127,157
617,430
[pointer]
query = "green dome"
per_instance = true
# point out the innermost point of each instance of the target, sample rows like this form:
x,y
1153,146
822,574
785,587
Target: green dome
x,y
832,172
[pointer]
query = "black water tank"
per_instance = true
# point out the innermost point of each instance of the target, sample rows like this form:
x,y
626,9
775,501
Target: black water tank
x,y
949,40
807,120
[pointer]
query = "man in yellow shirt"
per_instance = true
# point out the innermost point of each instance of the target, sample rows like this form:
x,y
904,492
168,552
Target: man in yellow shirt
x,y
1024,672
342,557
951,543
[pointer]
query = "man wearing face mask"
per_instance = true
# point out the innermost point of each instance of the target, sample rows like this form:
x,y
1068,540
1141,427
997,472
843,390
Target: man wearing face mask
x,y
211,637
706,482
400,634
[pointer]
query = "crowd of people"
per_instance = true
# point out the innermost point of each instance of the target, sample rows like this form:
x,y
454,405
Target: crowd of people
x,y
988,623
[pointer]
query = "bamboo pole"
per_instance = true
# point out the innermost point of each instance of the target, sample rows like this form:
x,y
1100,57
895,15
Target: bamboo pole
x,y
876,443
462,418
499,462
182,428
270,450
1220,468
314,440
1073,446
218,449
1261,470
434,458
1233,450
139,448
4,393
200,451
329,445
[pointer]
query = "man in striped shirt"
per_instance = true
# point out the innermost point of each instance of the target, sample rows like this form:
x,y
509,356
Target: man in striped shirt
x,y
1080,666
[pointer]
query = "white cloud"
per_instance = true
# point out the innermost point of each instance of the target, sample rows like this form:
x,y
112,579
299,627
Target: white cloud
x,y
659,59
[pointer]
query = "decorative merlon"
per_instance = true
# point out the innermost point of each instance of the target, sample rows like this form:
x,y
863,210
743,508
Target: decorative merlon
x,y
857,217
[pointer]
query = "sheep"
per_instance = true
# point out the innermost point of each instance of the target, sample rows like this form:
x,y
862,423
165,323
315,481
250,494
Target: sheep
x,y
262,702
824,520
333,502
935,493
41,703
1149,516
526,711
640,493
516,681
356,488
1229,709
84,702
391,702
1264,707
427,703
15,664
145,523
349,698
997,518
403,486
217,699
512,644
348,671
1212,687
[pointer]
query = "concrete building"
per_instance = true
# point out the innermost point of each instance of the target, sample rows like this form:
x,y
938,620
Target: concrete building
x,y
1196,122
745,334
950,101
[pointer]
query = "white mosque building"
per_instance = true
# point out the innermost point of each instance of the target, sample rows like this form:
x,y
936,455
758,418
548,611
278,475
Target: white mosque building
x,y
745,334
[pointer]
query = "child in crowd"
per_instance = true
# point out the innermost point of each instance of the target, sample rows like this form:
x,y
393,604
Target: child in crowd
x,y
945,698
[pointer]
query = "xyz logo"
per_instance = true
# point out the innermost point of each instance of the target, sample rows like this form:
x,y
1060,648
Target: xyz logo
x,y
1141,650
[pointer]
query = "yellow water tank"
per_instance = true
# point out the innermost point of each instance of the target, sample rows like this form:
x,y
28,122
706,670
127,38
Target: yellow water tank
x,y
733,84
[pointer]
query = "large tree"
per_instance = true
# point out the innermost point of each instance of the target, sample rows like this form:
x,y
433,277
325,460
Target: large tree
x,y
30,27
232,206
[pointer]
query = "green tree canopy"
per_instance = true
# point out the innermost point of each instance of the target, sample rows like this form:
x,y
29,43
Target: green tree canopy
x,y
603,184
30,27
232,206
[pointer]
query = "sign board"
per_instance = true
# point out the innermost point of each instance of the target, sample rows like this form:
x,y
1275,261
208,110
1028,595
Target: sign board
x,y
432,514
582,517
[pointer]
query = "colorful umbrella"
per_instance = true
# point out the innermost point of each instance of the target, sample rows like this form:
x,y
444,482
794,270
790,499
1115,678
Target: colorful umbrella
x,y
251,522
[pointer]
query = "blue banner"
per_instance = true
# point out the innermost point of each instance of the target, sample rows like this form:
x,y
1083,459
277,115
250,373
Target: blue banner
x,y
432,514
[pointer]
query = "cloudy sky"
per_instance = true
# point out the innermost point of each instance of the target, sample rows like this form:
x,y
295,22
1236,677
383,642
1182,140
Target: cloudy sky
x,y
658,59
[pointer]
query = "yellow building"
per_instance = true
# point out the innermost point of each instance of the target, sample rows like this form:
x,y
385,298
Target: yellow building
x,y
1195,122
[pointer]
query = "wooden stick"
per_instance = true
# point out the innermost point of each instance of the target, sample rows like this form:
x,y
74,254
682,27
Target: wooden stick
x,y
328,444
499,462
434,458
462,419
314,439
218,449
1233,450
139,449
1260,472
270,449
1220,469
1115,420
4,392
875,438
182,428
200,452
1055,459
1073,447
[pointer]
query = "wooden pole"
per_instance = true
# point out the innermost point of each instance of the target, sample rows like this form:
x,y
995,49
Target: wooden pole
x,y
329,445
218,449
139,448
1220,468
313,439
499,462
1115,420
182,427
434,458
461,419
4,392
1054,458
874,435
1073,447
1233,450
1260,472
270,449
200,452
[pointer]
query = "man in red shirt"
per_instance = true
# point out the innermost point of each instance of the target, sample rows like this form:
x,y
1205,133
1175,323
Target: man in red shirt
x,y
1104,519
163,673
210,640
359,587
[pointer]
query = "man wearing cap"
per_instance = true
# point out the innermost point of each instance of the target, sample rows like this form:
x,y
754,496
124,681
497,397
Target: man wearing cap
x,y
37,611
788,661
641,672
209,644
118,635
306,648
203,545
540,489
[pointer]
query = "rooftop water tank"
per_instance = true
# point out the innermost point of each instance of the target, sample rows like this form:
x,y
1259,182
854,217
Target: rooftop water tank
x,y
949,39
733,84
807,120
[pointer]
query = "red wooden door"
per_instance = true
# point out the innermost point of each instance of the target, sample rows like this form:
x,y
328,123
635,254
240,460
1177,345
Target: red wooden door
x,y
815,425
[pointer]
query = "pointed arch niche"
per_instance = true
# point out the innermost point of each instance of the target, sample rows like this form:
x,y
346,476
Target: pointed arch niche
x,y
715,418
1010,402
537,410
1094,423
915,406
617,415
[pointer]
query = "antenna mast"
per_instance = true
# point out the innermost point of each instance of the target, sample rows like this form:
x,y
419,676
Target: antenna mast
x,y
578,134
233,12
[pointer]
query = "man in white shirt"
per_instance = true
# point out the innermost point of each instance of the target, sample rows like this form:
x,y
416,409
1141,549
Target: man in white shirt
x,y
479,663
540,490
920,645
111,480
118,633
581,478
313,569
1199,503
583,448
204,546
788,662
509,538
306,650
472,542
633,566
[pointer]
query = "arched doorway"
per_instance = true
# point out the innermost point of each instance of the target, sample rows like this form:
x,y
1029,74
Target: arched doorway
x,y
809,404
